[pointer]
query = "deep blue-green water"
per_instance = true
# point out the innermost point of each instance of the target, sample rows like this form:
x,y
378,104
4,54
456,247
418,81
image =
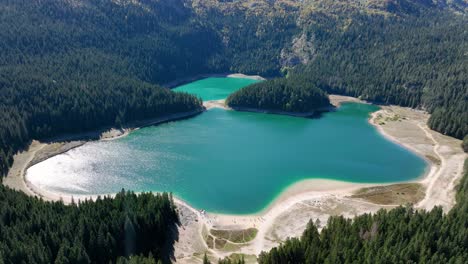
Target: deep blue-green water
x,y
233,162
215,88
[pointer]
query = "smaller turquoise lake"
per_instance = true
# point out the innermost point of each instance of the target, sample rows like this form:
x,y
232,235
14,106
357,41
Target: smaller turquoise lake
x,y
232,162
215,88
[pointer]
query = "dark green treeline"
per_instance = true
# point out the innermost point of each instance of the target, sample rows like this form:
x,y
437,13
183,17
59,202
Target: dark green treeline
x,y
297,95
71,69
34,231
417,61
67,68
35,107
75,66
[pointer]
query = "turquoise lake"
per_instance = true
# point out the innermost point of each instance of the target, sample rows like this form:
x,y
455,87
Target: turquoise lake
x,y
233,162
215,88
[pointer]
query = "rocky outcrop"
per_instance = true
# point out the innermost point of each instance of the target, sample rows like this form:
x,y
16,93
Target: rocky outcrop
x,y
301,51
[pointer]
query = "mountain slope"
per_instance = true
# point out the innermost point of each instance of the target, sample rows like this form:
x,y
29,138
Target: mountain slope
x,y
70,66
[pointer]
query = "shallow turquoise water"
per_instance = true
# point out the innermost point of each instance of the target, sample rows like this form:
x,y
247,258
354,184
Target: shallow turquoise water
x,y
233,162
214,88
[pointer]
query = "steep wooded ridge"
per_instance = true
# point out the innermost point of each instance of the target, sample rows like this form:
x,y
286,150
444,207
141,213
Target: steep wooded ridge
x,y
73,66
416,57
70,66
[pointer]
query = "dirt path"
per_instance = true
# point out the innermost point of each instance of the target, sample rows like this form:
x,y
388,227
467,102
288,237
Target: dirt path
x,y
440,187
432,180
313,200
403,126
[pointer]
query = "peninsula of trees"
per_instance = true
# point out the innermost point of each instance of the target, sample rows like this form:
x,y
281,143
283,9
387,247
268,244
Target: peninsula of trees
x,y
75,66
34,106
287,95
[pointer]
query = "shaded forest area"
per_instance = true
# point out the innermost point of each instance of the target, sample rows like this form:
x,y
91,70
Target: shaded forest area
x,y
71,67
415,61
101,231
75,66
67,69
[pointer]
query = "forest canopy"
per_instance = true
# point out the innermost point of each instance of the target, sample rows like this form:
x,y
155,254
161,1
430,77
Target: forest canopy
x,y
101,231
69,69
294,95
77,66
415,61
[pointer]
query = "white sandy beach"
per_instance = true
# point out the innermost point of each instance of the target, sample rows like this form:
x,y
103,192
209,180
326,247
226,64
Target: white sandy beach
x,y
310,199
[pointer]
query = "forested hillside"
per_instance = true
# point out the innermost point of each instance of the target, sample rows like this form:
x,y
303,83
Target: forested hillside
x,y
418,61
70,66
293,95
89,56
74,66
405,52
36,107
253,33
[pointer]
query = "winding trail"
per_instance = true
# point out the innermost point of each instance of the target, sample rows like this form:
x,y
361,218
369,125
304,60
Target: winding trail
x,y
431,180
440,185
288,217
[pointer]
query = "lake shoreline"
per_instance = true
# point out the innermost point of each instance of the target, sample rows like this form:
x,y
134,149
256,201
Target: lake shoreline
x,y
182,81
287,113
222,105
318,191
295,189
16,177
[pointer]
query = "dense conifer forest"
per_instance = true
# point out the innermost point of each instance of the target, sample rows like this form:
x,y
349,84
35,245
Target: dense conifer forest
x,y
36,107
415,61
88,56
103,231
75,66
68,68
71,66
295,95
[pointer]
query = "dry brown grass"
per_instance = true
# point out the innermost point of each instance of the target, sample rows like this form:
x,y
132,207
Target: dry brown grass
x,y
235,236
210,242
404,193
220,243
